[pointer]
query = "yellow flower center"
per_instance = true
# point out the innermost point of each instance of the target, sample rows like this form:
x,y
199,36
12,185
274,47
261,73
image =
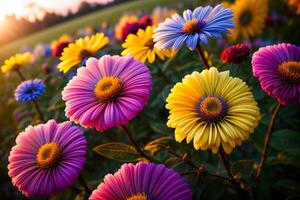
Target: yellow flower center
x,y
108,88
212,108
140,196
48,154
290,71
245,18
193,26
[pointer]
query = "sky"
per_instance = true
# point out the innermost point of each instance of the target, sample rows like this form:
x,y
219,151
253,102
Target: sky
x,y
36,9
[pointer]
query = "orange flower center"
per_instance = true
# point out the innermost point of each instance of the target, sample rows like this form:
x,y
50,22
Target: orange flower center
x,y
48,154
212,108
140,196
290,71
193,26
108,88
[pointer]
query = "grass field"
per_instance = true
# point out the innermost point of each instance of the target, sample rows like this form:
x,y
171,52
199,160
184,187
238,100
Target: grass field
x,y
110,14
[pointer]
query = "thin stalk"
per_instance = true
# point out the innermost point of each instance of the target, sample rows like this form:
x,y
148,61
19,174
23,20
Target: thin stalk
x,y
84,184
226,165
185,159
130,137
267,140
20,75
38,110
202,57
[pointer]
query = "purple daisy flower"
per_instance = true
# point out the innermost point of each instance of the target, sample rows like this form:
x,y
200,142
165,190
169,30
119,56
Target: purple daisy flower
x,y
278,70
47,158
193,28
143,181
107,92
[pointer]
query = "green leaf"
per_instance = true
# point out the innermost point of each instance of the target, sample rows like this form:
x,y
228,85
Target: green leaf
x,y
290,185
159,144
173,162
242,169
213,190
285,140
118,151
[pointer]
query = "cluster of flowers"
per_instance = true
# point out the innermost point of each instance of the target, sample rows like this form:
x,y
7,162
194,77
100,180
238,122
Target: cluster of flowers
x,y
210,108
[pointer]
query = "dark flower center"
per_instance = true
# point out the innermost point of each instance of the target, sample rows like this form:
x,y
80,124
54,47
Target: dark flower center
x,y
149,44
212,108
193,26
108,88
290,71
245,18
84,54
48,154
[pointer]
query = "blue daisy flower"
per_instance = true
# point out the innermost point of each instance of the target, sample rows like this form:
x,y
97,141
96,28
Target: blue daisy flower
x,y
193,28
29,90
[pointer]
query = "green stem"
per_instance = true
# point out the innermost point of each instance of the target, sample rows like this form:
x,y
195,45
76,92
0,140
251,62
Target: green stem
x,y
226,166
38,110
267,140
84,184
20,75
202,57
136,146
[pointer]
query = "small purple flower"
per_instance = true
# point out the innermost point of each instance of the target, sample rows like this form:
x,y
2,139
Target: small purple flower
x,y
143,181
193,28
47,158
278,70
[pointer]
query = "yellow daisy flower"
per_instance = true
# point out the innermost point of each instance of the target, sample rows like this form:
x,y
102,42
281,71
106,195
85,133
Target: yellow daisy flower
x,y
213,109
14,63
82,48
122,21
249,18
141,46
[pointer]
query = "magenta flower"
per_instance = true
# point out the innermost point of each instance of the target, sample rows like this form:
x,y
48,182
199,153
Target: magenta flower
x,y
278,70
143,181
107,92
47,158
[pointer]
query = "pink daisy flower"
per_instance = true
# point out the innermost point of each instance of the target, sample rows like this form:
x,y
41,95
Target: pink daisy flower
x,y
143,181
107,92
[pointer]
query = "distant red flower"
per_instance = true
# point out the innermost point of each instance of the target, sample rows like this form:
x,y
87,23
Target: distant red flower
x,y
145,21
58,48
235,54
133,27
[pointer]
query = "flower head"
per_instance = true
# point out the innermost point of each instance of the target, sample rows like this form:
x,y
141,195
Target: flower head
x,y
235,54
249,18
58,48
47,158
29,90
212,109
193,28
278,70
143,181
107,92
141,46
122,22
81,49
17,61
133,27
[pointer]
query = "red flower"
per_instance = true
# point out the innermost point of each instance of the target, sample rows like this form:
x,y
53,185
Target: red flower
x,y
133,27
235,54
58,48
